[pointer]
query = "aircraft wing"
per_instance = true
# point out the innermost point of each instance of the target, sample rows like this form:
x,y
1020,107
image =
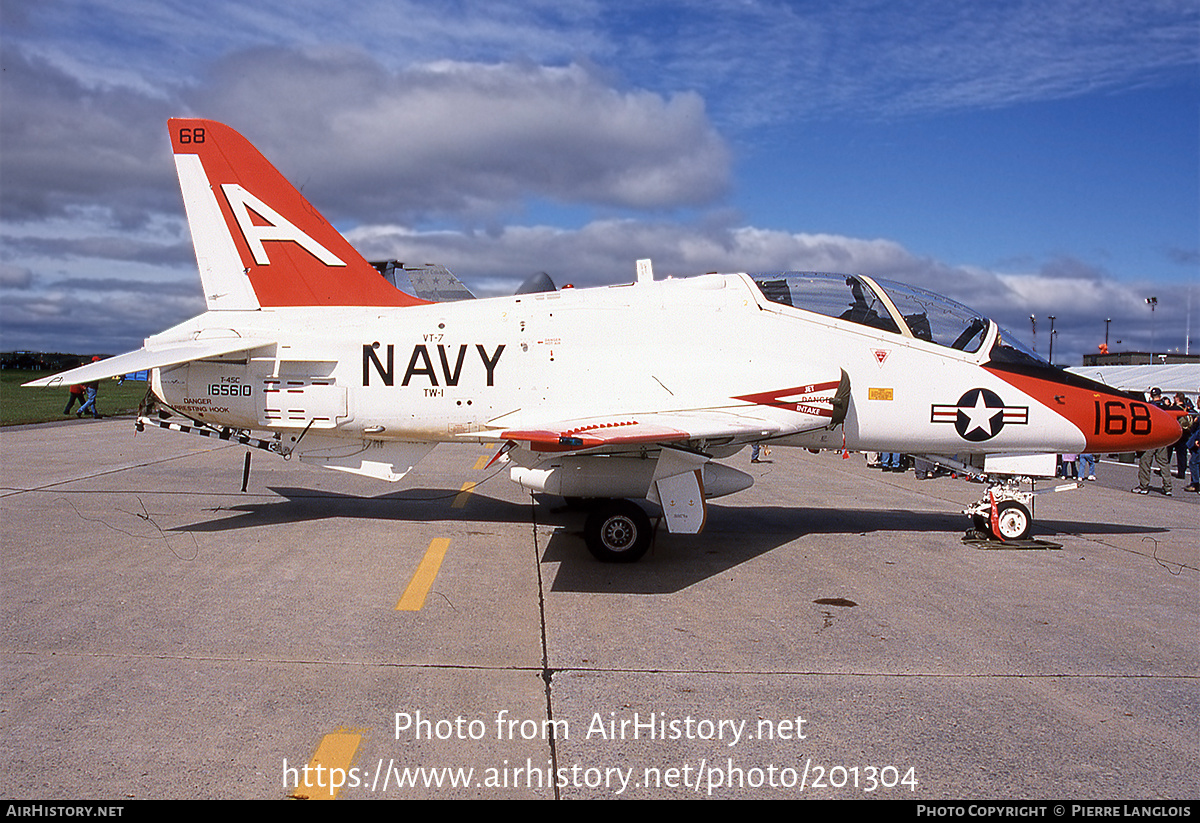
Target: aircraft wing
x,y
168,354
603,433
767,414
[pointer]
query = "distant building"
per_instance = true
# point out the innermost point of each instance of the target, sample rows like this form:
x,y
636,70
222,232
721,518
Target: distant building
x,y
1138,358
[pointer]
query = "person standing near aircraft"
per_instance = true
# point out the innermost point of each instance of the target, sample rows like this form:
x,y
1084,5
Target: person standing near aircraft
x,y
1188,423
1070,469
78,392
1156,456
754,453
93,389
1087,467
1193,450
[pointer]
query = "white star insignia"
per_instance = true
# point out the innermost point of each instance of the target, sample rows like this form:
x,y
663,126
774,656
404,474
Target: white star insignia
x,y
979,416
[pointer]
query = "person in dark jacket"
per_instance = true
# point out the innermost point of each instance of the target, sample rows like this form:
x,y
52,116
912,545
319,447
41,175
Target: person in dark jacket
x,y
77,394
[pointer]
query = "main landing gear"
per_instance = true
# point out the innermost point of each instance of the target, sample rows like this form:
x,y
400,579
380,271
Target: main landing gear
x,y
617,531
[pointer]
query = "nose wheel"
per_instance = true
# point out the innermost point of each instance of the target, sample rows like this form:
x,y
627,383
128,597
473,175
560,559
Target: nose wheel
x,y
1011,520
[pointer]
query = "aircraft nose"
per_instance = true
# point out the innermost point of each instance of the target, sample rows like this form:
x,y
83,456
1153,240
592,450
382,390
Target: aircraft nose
x,y
1111,421
1126,425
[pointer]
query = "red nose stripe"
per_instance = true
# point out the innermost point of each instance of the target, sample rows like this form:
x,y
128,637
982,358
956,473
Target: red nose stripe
x,y
1110,422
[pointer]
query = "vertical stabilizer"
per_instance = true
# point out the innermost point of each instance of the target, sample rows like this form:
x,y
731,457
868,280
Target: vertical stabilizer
x,y
258,242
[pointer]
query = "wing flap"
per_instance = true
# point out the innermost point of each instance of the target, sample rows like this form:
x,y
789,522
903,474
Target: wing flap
x,y
169,354
639,429
596,434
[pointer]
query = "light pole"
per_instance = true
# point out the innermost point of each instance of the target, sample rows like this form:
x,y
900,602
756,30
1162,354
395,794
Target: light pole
x,y
1052,340
1033,323
1151,302
1107,320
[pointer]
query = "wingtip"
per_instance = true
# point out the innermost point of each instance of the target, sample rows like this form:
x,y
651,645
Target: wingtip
x,y
44,382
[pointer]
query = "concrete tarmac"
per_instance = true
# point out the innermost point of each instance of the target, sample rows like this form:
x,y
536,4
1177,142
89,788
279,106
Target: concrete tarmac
x,y
829,635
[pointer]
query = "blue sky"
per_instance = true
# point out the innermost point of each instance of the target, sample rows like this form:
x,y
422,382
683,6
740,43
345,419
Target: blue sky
x,y
1021,157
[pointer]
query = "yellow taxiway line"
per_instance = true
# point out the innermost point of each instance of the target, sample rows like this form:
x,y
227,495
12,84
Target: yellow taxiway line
x,y
414,596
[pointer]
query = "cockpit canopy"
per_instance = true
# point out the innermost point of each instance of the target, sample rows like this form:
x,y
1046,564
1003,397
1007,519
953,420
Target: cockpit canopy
x,y
891,307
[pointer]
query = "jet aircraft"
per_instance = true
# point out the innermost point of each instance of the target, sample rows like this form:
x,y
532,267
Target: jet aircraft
x,y
612,395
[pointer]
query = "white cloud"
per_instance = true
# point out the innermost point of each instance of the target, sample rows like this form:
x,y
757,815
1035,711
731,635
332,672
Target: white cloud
x,y
466,138
72,147
444,139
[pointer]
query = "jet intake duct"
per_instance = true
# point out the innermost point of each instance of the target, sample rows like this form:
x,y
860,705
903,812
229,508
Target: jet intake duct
x,y
841,401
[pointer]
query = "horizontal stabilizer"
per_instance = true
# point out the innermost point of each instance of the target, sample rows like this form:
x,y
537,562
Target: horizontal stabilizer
x,y
151,358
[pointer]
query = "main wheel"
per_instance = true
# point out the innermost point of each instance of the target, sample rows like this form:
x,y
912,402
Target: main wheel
x,y
617,531
1013,521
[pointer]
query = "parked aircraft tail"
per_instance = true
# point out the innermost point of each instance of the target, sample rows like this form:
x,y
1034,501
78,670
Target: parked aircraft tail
x,y
259,242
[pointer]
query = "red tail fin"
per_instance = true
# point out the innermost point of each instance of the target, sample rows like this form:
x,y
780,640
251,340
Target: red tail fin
x,y
248,221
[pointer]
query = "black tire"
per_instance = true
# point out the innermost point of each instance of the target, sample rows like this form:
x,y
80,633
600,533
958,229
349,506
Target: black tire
x,y
1013,521
617,531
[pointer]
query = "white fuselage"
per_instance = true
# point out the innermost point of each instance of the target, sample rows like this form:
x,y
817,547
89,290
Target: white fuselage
x,y
446,371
